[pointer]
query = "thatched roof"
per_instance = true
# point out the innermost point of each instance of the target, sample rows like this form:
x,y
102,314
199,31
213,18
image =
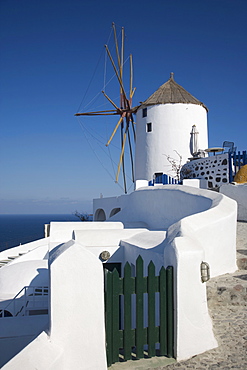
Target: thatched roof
x,y
171,92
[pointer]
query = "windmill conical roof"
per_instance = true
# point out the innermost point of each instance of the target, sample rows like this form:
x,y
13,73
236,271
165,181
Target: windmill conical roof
x,y
172,92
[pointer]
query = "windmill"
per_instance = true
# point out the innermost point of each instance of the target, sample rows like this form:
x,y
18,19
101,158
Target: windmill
x,y
125,110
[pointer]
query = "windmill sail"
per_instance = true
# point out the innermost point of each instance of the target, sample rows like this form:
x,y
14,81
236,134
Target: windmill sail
x,y
125,110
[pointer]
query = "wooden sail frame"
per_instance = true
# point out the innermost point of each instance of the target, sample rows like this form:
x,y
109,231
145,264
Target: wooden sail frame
x,y
125,111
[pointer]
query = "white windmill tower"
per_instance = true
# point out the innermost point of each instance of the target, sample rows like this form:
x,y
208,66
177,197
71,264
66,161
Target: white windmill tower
x,y
163,125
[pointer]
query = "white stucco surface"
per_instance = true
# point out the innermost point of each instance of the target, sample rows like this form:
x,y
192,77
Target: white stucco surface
x,y
141,183
76,315
24,248
193,325
238,192
184,226
38,253
171,127
108,204
63,231
15,276
103,237
210,216
161,206
39,354
81,295
16,333
196,183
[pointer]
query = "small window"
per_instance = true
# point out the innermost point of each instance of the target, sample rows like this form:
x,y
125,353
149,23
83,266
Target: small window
x,y
149,127
144,112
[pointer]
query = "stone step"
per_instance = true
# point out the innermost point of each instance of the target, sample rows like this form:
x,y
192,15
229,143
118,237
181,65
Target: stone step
x,y
228,289
242,259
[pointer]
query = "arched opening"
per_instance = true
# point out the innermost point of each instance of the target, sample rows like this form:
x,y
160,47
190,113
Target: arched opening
x,y
100,215
114,211
6,313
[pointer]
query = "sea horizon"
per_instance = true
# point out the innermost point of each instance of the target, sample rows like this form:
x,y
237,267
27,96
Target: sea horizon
x,y
16,229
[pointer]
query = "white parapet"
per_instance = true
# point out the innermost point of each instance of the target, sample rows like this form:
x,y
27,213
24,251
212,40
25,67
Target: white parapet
x,y
196,183
76,315
238,192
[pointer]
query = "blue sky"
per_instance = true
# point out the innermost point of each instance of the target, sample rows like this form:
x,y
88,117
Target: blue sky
x,y
50,161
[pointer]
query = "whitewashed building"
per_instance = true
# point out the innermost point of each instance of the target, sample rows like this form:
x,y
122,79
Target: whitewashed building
x,y
164,123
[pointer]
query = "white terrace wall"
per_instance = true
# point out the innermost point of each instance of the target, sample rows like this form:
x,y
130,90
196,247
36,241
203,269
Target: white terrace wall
x,y
101,240
238,192
14,277
16,333
77,332
161,206
77,282
24,248
210,216
60,232
107,205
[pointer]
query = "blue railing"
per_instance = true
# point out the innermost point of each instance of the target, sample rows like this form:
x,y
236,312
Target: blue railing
x,y
164,180
236,161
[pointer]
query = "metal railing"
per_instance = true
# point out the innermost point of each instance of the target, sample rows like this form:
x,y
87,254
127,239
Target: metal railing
x,y
31,300
163,179
236,161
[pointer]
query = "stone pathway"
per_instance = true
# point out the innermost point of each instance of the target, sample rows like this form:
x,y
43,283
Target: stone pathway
x,y
227,301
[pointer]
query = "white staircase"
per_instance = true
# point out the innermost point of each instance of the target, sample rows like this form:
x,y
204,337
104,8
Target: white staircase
x,y
4,262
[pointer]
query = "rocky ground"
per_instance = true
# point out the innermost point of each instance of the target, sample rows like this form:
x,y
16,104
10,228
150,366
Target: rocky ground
x,y
227,302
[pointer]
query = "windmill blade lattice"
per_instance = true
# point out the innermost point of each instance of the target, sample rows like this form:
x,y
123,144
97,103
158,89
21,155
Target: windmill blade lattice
x,y
125,111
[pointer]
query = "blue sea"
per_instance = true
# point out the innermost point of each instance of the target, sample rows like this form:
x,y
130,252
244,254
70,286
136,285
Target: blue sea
x,y
21,229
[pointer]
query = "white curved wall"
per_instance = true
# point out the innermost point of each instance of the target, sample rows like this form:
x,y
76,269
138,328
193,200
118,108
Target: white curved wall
x,y
238,192
204,215
15,276
171,127
163,205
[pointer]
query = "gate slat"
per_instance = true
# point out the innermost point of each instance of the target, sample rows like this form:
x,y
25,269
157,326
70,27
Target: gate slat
x,y
127,311
139,308
163,312
151,309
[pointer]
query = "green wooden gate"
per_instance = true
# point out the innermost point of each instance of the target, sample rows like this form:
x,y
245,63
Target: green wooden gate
x,y
126,343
